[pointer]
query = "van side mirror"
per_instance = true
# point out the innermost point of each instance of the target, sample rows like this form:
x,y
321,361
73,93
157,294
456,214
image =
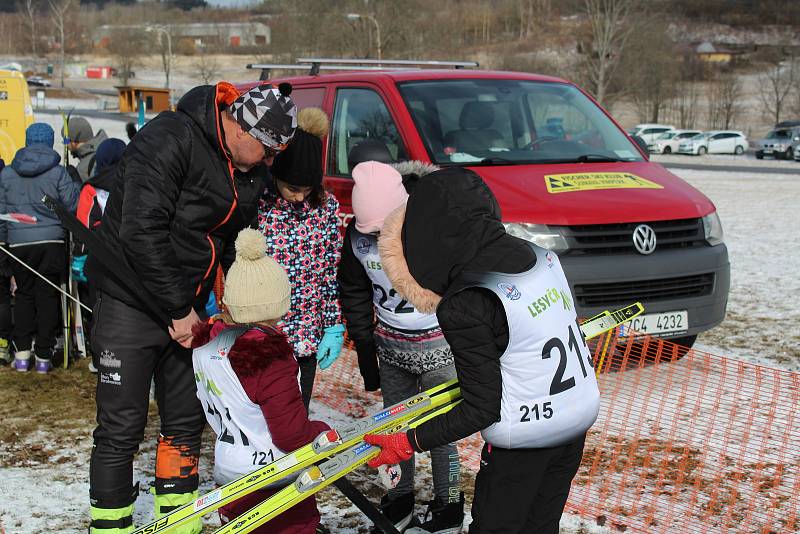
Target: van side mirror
x,y
641,142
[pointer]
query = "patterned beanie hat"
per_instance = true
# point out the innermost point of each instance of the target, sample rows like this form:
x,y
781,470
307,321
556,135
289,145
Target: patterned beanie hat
x,y
257,288
268,114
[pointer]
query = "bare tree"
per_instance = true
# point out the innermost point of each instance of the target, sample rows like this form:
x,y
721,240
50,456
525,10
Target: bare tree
x,y
650,83
125,46
28,10
685,105
206,66
610,31
59,9
724,95
777,83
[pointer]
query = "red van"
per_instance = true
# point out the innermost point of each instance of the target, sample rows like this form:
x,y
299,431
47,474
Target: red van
x,y
566,175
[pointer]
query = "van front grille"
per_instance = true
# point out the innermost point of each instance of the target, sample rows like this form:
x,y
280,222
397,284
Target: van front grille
x,y
617,238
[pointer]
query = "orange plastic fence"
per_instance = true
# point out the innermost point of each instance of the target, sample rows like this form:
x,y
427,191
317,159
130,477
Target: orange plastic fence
x,y
686,441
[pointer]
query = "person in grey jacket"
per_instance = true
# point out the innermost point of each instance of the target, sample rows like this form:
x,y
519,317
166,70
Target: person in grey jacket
x,y
83,145
35,172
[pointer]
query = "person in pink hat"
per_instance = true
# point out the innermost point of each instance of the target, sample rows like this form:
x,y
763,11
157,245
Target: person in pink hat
x,y
409,344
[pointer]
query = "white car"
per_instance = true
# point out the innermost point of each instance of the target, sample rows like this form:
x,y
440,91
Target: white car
x,y
649,132
668,142
715,142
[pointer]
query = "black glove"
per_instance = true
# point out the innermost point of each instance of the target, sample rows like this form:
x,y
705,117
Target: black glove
x,y
368,364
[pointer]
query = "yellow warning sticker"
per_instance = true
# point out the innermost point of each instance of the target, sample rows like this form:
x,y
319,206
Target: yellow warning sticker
x,y
567,183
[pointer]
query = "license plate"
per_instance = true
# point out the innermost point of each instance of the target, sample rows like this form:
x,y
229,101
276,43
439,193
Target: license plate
x,y
657,324
767,151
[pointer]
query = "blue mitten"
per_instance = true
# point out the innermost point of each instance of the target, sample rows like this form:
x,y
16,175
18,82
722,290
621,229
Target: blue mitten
x,y
78,262
331,346
211,306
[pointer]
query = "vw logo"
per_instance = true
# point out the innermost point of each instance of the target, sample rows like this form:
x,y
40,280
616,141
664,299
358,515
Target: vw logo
x,y
644,239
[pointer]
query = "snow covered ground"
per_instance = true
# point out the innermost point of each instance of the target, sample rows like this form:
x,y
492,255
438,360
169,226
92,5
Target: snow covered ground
x,y
44,471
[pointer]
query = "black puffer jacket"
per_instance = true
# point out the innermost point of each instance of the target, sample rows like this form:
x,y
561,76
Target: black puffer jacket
x,y
179,204
452,225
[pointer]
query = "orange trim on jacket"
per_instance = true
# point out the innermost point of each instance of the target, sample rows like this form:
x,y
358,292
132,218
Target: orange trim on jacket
x,y
226,93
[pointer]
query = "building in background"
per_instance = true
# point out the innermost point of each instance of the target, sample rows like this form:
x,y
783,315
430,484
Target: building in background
x,y
200,35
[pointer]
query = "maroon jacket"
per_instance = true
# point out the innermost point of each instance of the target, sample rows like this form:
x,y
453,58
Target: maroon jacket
x,y
265,365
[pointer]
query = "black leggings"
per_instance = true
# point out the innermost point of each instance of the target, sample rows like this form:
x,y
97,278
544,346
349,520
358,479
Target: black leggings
x,y
37,303
130,351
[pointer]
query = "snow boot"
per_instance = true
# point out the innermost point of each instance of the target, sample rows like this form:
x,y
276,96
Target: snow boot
x,y
5,356
445,518
168,502
22,361
111,520
399,511
43,366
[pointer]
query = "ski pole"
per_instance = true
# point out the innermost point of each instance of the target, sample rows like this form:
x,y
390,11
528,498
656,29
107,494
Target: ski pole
x,y
40,275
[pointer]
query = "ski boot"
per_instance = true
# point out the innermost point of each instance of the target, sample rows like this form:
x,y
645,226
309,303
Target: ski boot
x,y
399,511
167,502
111,520
5,356
43,365
22,361
445,518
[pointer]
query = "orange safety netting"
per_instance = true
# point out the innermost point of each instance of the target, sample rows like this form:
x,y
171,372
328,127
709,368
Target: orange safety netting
x,y
686,441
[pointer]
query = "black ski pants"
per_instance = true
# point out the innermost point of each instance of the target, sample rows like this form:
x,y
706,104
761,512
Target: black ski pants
x,y
37,305
523,491
6,324
130,351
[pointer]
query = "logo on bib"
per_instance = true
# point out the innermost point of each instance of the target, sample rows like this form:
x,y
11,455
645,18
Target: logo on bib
x,y
550,259
509,290
363,245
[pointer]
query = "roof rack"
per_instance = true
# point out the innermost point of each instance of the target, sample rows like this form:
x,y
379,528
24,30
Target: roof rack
x,y
315,65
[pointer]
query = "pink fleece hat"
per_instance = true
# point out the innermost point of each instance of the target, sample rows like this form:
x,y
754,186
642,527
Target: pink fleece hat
x,y
377,192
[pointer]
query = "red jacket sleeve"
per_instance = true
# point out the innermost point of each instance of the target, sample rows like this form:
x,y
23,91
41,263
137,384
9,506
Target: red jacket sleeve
x,y
277,392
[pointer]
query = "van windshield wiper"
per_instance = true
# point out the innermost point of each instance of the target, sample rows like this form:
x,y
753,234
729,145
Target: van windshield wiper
x,y
585,158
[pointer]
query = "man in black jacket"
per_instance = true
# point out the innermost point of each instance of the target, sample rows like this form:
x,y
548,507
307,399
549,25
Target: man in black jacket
x,y
525,371
189,182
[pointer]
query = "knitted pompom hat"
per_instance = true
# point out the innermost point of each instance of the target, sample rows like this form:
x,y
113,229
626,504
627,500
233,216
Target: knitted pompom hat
x,y
256,287
301,163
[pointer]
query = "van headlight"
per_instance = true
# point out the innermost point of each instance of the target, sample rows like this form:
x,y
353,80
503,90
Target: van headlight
x,y
713,229
538,234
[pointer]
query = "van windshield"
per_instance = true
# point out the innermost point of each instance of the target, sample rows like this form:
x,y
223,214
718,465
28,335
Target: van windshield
x,y
499,122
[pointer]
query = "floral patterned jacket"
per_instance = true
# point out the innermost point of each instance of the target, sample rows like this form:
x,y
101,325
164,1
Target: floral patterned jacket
x,y
307,243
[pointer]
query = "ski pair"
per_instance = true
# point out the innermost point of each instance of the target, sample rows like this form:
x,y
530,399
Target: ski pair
x,y
325,445
318,477
335,441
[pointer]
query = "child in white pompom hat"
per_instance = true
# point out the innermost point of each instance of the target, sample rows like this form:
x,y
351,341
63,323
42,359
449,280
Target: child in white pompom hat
x,y
246,376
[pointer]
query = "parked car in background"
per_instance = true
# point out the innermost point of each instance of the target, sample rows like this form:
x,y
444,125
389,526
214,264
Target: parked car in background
x,y
715,142
796,147
778,143
649,132
668,142
38,81
564,173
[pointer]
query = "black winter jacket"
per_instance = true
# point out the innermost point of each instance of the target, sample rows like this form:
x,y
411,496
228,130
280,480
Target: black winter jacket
x,y
355,294
453,226
178,204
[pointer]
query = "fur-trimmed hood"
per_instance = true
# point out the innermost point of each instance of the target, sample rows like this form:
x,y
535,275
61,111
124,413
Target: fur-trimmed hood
x,y
450,218
253,351
412,171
